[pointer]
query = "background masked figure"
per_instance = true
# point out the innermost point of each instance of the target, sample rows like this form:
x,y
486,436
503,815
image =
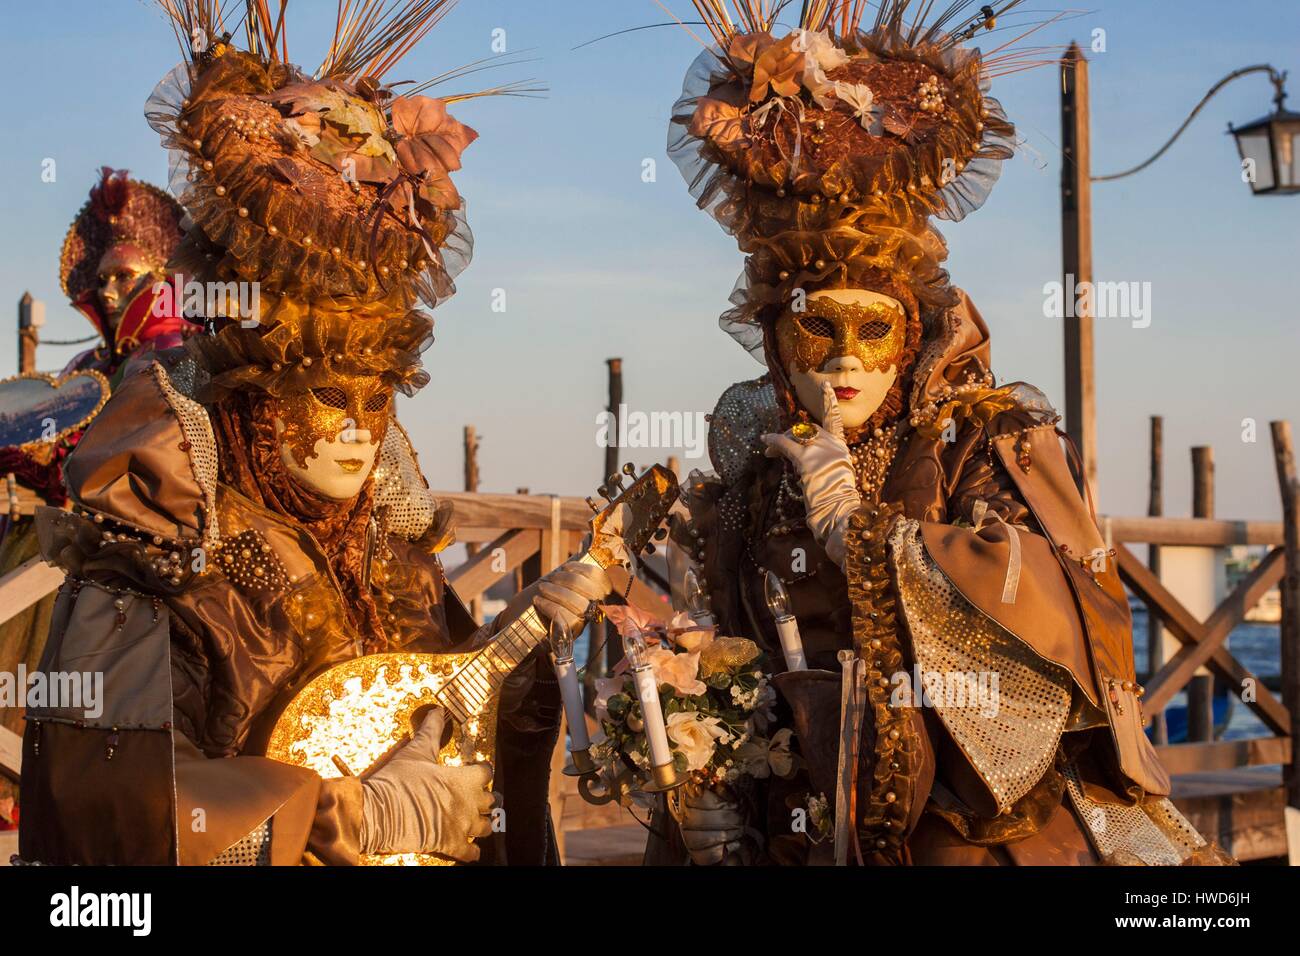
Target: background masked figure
x,y
112,257
254,513
918,515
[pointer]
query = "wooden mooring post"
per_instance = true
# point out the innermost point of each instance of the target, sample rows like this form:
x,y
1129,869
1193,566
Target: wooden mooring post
x,y
1200,691
598,666
31,316
471,486
1155,627
1076,259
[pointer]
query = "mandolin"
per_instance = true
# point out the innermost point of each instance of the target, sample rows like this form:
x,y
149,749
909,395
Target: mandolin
x,y
350,718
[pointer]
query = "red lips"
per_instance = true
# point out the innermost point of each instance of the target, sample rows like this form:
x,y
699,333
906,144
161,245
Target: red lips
x,y
846,394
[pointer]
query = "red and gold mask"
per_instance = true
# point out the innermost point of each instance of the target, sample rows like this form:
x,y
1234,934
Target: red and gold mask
x,y
122,270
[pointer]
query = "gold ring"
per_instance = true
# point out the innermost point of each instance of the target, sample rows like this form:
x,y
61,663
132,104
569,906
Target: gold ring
x,y
803,432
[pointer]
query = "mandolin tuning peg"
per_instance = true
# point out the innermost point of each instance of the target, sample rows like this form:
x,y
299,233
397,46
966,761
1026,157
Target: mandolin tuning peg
x,y
630,470
615,481
592,505
603,491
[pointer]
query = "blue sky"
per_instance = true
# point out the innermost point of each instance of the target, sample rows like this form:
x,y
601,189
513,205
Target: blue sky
x,y
596,262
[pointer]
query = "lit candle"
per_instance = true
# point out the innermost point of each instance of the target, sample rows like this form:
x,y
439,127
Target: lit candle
x,y
787,628
566,673
652,715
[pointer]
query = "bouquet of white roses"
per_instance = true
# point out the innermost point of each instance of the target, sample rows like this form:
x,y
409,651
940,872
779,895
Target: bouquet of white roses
x,y
717,704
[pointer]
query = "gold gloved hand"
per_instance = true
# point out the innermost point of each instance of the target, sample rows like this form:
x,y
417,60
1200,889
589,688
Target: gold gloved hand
x,y
824,464
412,804
567,591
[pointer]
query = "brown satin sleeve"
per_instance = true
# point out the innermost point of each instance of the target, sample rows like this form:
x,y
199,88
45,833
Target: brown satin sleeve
x,y
981,477
132,462
219,800
426,613
335,838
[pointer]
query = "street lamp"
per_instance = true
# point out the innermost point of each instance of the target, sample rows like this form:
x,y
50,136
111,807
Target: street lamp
x,y
1268,146
1270,163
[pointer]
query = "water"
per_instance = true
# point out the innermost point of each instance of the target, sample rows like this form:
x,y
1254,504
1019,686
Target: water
x,y
1255,645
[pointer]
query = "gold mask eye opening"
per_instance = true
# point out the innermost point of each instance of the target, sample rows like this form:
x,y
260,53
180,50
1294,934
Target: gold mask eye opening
x,y
816,326
377,402
875,329
330,397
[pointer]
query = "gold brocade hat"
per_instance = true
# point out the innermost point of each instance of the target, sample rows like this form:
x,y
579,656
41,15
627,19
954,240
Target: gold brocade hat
x,y
328,189
825,151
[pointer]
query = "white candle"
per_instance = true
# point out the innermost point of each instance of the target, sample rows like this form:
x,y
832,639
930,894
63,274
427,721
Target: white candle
x,y
787,628
574,714
656,735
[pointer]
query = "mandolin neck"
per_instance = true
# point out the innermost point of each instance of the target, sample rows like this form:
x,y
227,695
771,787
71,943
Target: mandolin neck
x,y
471,688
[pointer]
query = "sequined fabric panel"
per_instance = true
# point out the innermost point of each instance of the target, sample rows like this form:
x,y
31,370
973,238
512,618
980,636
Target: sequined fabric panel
x,y
1010,736
253,850
745,411
1155,833
400,488
200,446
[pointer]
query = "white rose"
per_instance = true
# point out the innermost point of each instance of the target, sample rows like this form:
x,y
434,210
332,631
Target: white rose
x,y
695,736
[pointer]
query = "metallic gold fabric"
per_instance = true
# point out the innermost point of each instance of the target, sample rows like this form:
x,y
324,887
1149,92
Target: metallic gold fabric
x,y
199,444
410,510
1012,744
1153,833
874,334
297,344
888,803
253,850
360,403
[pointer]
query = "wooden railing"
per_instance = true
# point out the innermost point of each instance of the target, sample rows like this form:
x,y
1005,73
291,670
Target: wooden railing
x,y
1204,641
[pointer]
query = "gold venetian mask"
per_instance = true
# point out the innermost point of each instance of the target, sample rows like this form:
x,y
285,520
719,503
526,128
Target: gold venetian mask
x,y
121,270
329,435
872,330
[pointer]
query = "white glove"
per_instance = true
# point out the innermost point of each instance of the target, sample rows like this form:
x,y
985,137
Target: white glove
x,y
711,825
414,805
825,468
567,592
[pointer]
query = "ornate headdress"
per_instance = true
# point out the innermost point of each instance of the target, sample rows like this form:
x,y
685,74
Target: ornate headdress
x,y
826,151
327,189
120,211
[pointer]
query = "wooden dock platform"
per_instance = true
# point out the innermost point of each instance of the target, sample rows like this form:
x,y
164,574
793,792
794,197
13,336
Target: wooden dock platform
x,y
1242,809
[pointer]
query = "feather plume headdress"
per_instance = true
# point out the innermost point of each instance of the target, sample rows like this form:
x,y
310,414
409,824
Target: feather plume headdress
x,y
825,151
329,189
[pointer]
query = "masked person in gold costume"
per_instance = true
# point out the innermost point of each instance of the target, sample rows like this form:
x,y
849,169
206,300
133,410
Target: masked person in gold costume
x,y
948,580
253,513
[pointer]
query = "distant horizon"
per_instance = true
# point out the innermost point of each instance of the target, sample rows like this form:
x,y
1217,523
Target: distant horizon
x,y
594,261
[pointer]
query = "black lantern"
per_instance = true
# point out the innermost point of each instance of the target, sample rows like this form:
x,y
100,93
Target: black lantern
x,y
1271,147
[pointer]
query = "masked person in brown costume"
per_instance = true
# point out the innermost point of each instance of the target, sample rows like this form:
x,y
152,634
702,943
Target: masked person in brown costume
x,y
944,571
253,513
111,265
